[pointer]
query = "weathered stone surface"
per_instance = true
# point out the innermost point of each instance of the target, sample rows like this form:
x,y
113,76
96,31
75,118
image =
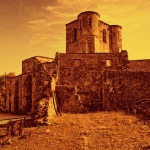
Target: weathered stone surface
x,y
127,90
25,93
45,111
85,71
94,74
88,34
140,65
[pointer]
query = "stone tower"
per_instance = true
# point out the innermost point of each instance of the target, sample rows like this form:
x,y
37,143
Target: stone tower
x,y
115,38
88,34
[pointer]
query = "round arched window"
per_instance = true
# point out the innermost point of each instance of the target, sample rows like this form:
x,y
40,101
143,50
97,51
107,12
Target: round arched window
x,y
75,34
104,35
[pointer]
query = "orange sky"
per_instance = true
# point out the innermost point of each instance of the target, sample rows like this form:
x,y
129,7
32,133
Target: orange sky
x,y
37,27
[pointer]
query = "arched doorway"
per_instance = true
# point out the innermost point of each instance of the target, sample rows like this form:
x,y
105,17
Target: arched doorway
x,y
16,97
28,93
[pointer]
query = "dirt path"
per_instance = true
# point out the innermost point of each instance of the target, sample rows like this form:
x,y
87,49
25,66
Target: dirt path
x,y
92,131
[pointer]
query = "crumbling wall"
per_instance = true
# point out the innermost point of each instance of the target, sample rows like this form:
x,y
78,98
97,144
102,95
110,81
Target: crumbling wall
x,y
68,100
79,72
13,94
24,92
30,65
124,89
84,72
43,92
45,110
43,76
142,65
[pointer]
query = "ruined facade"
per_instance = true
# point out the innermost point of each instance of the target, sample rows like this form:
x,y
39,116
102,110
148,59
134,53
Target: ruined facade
x,y
94,73
26,90
88,34
124,88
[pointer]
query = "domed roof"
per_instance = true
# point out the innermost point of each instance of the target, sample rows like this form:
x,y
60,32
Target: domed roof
x,y
89,12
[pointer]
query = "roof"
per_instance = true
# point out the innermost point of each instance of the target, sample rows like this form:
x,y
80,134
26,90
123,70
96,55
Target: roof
x,y
88,12
41,59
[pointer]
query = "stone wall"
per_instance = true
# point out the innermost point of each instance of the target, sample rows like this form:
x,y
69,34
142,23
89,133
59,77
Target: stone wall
x,y
124,89
104,46
115,38
26,90
84,82
42,99
88,34
13,94
68,99
142,65
71,42
30,65
83,72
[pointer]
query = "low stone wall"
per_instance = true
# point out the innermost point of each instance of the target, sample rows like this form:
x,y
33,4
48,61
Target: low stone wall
x,y
141,65
126,90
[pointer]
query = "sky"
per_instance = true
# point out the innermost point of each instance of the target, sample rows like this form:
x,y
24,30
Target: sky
x,y
37,27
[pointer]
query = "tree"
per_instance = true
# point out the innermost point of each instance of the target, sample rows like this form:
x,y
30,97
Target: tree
x,y
2,92
3,88
11,74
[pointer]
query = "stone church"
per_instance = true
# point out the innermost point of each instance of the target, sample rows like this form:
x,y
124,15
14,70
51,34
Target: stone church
x,y
94,73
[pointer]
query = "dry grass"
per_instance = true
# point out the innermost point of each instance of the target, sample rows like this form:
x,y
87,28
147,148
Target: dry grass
x,y
92,131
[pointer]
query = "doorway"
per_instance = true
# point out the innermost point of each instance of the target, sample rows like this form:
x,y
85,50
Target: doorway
x,y
28,93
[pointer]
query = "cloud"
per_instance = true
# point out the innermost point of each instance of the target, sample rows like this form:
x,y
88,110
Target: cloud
x,y
56,11
4,29
44,31
38,39
39,3
44,21
48,8
39,21
47,22
67,8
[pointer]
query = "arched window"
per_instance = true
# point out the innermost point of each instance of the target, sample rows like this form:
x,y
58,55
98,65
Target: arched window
x,y
74,34
104,35
90,22
80,24
118,35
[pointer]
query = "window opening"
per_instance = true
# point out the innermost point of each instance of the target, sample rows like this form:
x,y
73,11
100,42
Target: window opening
x,y
90,23
108,63
104,35
75,34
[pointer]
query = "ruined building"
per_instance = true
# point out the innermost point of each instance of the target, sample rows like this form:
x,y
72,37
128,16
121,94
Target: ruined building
x,y
94,73
88,34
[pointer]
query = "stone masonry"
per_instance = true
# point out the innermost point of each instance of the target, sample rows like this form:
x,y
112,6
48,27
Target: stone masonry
x,y
88,34
94,74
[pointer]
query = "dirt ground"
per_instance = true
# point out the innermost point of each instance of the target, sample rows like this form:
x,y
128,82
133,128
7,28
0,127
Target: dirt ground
x,y
91,131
